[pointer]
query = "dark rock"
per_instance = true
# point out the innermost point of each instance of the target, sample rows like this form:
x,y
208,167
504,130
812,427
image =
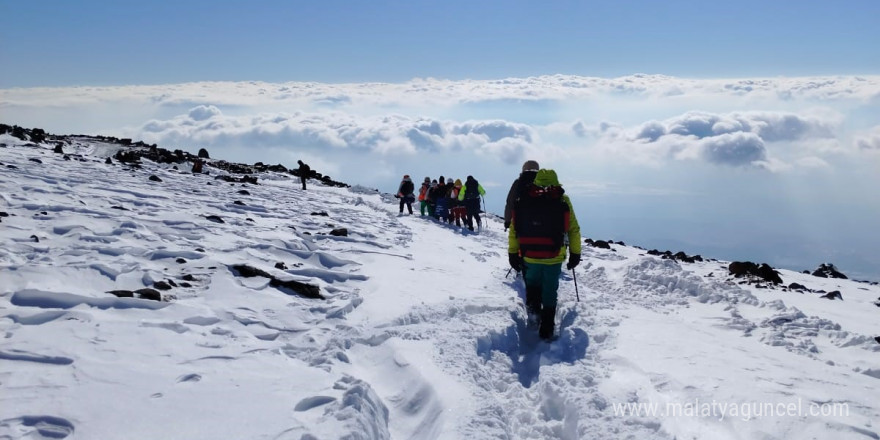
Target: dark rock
x,y
4,214
35,238
244,192
601,244
203,153
303,289
806,272
12,167
188,277
215,218
185,285
746,268
248,219
180,261
122,293
877,338
280,265
339,232
34,159
249,179
119,208
162,285
833,295
655,252
66,157
796,286
683,257
249,271
322,214
147,293
171,282
238,202
200,250
109,161
827,270
154,178
300,288
59,148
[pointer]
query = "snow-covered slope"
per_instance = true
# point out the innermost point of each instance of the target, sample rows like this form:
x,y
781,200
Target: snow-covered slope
x,y
420,332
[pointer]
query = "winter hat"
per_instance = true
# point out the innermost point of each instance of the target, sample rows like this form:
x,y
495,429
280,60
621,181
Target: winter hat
x,y
546,178
406,177
427,180
531,165
458,183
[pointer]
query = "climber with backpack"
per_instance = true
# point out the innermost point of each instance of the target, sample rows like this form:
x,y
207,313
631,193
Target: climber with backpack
x,y
469,195
543,226
423,195
529,170
405,194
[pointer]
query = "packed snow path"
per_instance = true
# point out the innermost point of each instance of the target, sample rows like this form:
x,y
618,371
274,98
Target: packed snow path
x,y
421,334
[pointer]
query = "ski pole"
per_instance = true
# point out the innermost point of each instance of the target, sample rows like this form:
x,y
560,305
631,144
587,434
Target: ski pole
x,y
508,272
574,275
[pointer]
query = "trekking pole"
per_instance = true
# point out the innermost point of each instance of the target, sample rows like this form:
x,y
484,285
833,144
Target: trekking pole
x,y
573,275
508,272
484,210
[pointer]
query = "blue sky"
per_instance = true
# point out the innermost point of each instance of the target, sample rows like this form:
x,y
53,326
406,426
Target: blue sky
x,y
114,43
752,135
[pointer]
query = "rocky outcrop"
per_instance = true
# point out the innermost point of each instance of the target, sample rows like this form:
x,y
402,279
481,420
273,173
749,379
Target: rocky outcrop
x,y
827,270
747,268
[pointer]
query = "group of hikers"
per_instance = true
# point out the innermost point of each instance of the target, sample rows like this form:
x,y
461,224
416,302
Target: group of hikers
x,y
444,199
542,228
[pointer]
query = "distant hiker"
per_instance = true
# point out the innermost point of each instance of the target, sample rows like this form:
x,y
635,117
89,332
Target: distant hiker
x,y
458,210
423,195
470,196
197,166
304,171
405,193
432,198
540,223
527,176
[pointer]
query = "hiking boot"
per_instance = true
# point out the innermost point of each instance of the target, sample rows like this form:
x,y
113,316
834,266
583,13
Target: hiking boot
x,y
533,300
548,323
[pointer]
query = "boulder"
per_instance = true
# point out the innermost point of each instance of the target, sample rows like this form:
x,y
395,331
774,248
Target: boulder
x,y
203,153
339,232
827,270
155,178
833,295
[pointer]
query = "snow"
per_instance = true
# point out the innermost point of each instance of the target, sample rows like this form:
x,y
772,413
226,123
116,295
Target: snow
x,y
421,333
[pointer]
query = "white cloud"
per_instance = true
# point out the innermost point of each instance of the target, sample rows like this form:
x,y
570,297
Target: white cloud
x,y
387,135
869,141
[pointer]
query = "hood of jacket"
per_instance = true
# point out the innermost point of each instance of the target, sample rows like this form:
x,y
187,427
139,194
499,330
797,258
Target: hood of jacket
x,y
546,178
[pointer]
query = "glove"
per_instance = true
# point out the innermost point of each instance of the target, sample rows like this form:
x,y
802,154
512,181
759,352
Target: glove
x,y
516,261
573,260
506,225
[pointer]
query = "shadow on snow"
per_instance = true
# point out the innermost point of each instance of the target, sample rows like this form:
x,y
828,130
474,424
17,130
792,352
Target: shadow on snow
x,y
527,352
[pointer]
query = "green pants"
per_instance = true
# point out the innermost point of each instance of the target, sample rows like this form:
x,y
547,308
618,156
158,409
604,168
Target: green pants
x,y
423,206
545,276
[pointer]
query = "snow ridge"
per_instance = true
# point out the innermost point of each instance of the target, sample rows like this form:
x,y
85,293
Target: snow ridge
x,y
421,332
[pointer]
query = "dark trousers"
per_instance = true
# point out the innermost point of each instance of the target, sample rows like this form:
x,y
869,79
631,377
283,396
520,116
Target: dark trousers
x,y
303,180
406,201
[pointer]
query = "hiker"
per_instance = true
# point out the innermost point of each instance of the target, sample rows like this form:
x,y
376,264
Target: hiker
x,y
470,195
405,194
197,166
458,210
432,198
304,172
527,176
423,195
540,222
